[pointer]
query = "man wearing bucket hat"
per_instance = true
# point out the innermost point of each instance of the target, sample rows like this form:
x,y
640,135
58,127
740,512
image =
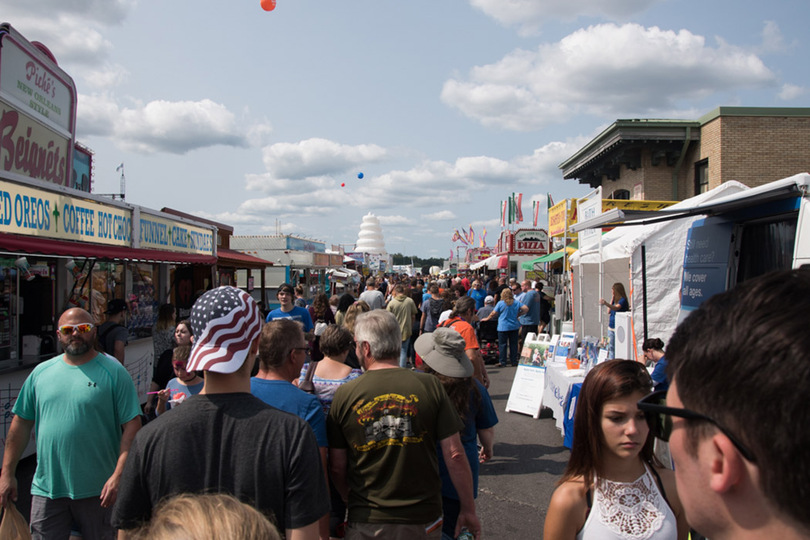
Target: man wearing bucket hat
x,y
223,439
383,431
443,353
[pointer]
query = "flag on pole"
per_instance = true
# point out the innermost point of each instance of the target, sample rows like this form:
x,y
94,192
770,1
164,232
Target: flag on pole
x,y
535,212
549,200
451,254
472,235
117,169
484,238
503,213
456,237
519,210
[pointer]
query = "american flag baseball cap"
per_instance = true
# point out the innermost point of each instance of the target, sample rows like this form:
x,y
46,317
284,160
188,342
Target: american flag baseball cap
x,y
225,322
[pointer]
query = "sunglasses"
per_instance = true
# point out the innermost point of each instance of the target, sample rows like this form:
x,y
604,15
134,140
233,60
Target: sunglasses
x,y
659,419
68,329
179,365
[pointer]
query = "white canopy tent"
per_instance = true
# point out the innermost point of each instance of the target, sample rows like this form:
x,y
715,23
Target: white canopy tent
x,y
635,254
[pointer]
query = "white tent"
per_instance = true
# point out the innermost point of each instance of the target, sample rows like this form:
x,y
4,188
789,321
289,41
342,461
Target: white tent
x,y
629,255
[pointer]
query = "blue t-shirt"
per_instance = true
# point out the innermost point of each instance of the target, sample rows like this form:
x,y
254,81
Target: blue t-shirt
x,y
659,375
77,412
482,418
177,387
478,295
287,397
623,306
508,316
296,313
531,298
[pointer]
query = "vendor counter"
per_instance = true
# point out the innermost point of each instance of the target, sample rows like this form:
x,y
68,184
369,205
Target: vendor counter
x,y
559,382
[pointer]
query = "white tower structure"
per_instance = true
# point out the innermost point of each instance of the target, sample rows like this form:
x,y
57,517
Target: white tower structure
x,y
370,239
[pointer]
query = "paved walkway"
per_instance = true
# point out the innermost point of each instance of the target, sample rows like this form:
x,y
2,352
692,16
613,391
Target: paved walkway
x,y
516,485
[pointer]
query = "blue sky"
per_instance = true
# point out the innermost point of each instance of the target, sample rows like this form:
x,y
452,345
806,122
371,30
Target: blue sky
x,y
256,118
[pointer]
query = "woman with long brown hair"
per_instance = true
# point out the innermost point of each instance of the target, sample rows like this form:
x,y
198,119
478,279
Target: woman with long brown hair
x,y
618,303
320,312
613,487
351,317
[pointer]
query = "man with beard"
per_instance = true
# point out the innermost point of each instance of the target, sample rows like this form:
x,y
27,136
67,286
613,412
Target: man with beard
x,y
86,414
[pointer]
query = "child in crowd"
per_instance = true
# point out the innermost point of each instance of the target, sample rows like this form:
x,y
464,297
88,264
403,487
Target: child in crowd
x,y
184,385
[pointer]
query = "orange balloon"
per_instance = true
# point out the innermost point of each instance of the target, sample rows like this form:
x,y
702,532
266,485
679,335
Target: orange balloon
x,y
268,5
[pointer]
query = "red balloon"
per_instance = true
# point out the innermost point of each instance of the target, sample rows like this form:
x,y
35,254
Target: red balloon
x,y
268,5
343,184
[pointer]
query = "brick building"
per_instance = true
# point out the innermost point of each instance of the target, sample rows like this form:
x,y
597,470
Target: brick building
x,y
650,159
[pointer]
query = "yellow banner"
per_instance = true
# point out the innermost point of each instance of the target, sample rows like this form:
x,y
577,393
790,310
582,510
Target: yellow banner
x,y
33,212
622,204
557,222
169,235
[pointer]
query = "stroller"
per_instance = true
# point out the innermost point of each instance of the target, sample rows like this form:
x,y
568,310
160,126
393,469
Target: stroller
x,y
488,341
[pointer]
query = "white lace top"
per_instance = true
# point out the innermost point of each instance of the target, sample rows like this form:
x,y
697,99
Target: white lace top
x,y
629,511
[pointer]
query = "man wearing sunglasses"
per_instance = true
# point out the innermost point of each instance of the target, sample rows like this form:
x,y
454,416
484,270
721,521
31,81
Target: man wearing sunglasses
x,y
736,413
84,408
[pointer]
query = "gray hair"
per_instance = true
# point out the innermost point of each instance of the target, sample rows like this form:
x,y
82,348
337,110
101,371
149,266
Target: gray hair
x,y
380,329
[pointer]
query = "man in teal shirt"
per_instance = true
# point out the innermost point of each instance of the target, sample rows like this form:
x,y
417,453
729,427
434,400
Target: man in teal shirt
x,y
84,410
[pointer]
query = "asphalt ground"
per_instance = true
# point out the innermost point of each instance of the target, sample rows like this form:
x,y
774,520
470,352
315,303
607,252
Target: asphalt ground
x,y
515,486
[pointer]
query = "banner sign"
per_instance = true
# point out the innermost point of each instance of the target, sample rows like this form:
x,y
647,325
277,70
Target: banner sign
x,y
169,235
561,216
33,212
36,86
623,204
531,241
30,149
589,207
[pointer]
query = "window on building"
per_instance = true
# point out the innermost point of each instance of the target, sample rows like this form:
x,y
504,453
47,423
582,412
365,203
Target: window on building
x,y
702,176
623,194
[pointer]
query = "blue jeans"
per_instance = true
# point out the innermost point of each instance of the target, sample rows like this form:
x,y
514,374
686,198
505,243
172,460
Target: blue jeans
x,y
403,353
510,337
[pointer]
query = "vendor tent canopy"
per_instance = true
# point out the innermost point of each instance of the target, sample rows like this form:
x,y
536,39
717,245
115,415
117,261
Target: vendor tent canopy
x,y
529,265
635,253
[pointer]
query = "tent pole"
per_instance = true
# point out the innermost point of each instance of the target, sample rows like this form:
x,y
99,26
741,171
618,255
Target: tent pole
x,y
644,286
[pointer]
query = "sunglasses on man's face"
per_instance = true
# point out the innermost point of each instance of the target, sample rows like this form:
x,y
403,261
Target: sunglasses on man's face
x,y
68,329
659,419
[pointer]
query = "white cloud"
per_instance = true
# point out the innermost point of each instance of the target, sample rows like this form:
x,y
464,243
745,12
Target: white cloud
x,y
426,186
442,215
530,15
791,91
605,70
161,126
395,220
316,157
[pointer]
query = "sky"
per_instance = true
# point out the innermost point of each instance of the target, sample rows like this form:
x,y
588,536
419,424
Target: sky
x,y
263,120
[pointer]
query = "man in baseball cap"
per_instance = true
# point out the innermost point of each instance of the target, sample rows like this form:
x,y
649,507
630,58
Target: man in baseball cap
x,y
224,438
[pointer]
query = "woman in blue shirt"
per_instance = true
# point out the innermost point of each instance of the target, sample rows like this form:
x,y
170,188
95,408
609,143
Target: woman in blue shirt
x,y
617,303
508,310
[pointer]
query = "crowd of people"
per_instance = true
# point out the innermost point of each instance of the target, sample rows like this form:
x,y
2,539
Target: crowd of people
x,y
367,415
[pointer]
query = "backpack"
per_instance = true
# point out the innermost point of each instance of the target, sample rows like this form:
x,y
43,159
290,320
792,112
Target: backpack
x,y
102,337
435,309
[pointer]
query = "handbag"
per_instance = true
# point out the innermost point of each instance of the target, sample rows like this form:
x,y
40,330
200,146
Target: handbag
x,y
13,526
306,385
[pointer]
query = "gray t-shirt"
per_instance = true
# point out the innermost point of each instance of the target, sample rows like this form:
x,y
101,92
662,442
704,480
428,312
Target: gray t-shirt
x,y
109,333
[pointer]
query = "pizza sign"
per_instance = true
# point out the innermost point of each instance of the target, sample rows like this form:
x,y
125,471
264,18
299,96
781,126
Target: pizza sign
x,y
531,241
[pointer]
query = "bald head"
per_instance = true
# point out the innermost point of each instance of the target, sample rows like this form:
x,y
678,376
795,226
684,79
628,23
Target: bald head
x,y
75,315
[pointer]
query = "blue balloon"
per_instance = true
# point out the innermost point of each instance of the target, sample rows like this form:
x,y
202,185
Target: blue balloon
x,y
360,176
